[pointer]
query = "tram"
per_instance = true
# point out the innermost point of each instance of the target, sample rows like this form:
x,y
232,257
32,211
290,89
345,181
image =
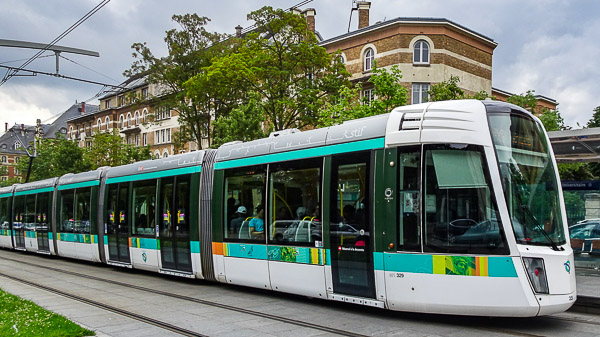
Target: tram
x,y
445,207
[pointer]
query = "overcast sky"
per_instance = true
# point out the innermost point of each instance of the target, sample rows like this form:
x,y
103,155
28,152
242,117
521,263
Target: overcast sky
x,y
549,46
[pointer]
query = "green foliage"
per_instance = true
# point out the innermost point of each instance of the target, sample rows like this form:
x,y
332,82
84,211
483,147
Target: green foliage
x,y
449,90
19,317
446,90
594,122
388,94
279,69
243,124
108,149
191,49
575,171
552,120
526,101
55,157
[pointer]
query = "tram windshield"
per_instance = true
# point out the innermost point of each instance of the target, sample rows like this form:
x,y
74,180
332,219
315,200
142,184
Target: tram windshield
x,y
528,178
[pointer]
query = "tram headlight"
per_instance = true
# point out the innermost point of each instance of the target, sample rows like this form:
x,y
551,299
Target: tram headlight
x,y
537,274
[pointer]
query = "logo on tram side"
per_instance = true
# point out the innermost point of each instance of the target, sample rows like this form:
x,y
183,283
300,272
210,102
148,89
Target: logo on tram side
x,y
568,266
144,256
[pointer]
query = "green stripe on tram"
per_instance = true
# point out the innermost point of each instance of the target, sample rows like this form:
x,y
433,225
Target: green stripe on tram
x,y
37,190
369,144
491,266
154,175
5,195
79,185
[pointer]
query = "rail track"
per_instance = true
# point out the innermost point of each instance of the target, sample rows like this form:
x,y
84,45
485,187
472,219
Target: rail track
x,y
286,320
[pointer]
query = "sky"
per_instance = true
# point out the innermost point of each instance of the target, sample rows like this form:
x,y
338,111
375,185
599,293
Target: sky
x,y
550,46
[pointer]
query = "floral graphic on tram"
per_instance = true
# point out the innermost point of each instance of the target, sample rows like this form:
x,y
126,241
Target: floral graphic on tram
x,y
460,265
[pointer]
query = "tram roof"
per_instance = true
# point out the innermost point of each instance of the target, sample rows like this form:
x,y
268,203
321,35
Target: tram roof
x,y
349,131
582,145
71,178
155,165
51,182
6,189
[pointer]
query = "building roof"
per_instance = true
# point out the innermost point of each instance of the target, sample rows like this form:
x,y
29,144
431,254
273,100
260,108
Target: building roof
x,y
129,84
71,113
412,21
26,134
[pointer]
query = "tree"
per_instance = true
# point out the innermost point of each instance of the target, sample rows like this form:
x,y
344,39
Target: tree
x,y
594,122
108,149
388,94
191,49
279,69
243,123
449,90
526,101
55,157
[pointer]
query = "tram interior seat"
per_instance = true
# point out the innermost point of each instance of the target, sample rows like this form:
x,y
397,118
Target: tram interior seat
x,y
595,247
577,245
302,231
244,230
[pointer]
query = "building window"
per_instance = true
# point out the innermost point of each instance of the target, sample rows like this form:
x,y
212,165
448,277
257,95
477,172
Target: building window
x,y
168,135
369,59
165,154
17,172
107,121
205,129
145,93
137,140
368,96
121,121
128,119
156,155
4,178
17,145
3,159
156,137
145,139
16,160
162,136
107,104
121,100
420,93
99,124
137,118
421,52
145,115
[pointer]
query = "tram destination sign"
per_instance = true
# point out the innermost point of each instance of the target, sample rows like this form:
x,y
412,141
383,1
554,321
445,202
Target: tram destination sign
x,y
580,185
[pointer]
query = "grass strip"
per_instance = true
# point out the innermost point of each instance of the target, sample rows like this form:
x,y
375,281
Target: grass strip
x,y
19,317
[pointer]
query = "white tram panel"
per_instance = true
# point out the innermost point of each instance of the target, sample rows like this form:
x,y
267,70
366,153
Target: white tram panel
x,y
298,278
247,272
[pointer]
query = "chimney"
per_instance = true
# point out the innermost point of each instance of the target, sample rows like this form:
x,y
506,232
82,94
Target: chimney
x,y
5,127
22,130
238,31
363,14
309,14
83,108
296,11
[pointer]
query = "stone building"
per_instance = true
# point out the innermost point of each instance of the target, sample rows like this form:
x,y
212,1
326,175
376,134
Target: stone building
x,y
136,113
427,51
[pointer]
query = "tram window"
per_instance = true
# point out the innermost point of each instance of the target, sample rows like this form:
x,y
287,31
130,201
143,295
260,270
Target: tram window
x,y
409,175
41,211
4,213
295,203
144,203
66,211
19,211
245,190
82,210
461,215
182,201
29,218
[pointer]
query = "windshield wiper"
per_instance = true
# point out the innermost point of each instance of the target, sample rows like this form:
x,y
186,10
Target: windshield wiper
x,y
540,228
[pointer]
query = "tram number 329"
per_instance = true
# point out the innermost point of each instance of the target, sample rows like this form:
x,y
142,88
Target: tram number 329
x,y
398,275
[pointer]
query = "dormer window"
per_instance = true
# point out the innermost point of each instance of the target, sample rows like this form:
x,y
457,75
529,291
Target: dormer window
x,y
145,93
369,58
107,104
421,52
121,100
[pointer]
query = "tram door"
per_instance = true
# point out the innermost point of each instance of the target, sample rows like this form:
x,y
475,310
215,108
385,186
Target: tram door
x,y
174,231
350,226
117,226
19,221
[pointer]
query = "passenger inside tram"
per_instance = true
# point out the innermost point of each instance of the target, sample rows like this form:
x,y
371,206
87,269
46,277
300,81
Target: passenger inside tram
x,y
257,224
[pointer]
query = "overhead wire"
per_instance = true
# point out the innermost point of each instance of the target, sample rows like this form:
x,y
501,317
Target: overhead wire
x,y
11,72
88,68
5,62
